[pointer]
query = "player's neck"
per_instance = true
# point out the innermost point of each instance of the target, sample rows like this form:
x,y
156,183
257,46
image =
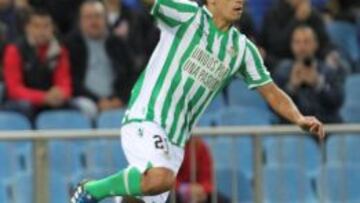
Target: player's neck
x,y
220,22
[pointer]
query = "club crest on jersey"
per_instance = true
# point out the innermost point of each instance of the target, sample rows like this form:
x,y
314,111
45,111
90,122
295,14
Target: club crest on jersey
x,y
233,53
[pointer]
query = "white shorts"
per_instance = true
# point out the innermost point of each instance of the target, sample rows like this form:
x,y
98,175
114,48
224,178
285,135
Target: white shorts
x,y
145,144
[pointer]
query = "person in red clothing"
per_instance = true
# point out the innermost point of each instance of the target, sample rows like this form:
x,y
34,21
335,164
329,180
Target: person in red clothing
x,y
36,68
196,187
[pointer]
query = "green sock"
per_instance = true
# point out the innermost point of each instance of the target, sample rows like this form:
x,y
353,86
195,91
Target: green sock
x,y
124,183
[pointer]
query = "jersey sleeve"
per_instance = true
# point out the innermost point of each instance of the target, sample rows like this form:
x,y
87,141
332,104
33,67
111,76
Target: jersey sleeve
x,y
174,12
252,68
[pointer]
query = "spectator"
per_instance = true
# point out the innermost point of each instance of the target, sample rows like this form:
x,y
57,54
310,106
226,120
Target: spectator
x,y
36,68
280,22
136,28
11,20
101,64
315,87
342,19
63,12
200,189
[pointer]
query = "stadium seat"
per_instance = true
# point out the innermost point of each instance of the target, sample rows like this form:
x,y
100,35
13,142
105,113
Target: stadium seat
x,y
351,88
347,44
4,190
62,119
232,152
258,9
110,119
13,121
343,149
287,185
107,155
224,148
351,112
66,158
339,184
60,188
235,185
22,188
293,151
217,104
16,157
240,95
243,116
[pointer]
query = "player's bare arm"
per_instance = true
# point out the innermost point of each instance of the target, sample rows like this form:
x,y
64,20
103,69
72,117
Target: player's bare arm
x,y
284,106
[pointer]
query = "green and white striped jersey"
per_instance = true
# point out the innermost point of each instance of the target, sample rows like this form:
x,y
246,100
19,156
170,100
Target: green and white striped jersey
x,y
192,62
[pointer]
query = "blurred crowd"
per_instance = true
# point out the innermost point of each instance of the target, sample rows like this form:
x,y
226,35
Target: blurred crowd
x,y
87,54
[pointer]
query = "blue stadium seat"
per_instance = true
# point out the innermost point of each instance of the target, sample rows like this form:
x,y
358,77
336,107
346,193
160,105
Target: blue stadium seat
x,y
339,184
13,121
343,149
16,157
207,120
217,104
110,119
240,95
62,119
22,188
66,158
231,152
243,116
351,112
224,148
4,190
60,188
284,185
293,151
235,185
351,88
107,156
258,9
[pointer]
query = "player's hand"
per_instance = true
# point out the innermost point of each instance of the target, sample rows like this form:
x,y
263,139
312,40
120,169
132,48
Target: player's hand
x,y
312,125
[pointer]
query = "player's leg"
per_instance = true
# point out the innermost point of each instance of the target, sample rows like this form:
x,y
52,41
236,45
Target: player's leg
x,y
131,182
152,168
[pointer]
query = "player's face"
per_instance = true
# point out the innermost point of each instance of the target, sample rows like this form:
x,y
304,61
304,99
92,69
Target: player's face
x,y
230,10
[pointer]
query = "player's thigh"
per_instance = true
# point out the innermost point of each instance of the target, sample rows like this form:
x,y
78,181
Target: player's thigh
x,y
146,146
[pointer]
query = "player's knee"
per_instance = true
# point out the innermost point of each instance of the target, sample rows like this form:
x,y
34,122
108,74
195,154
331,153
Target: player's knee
x,y
157,180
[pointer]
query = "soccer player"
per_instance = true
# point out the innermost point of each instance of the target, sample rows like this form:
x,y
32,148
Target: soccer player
x,y
199,52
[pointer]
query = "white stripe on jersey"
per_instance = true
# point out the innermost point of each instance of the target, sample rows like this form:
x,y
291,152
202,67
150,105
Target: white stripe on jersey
x,y
181,16
156,63
185,43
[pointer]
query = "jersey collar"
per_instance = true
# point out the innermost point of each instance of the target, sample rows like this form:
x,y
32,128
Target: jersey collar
x,y
207,11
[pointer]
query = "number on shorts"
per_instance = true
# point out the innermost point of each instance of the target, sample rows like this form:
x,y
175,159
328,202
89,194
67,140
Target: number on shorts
x,y
160,143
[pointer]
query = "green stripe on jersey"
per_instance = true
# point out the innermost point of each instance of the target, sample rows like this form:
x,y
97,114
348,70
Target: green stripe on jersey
x,y
165,69
195,61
